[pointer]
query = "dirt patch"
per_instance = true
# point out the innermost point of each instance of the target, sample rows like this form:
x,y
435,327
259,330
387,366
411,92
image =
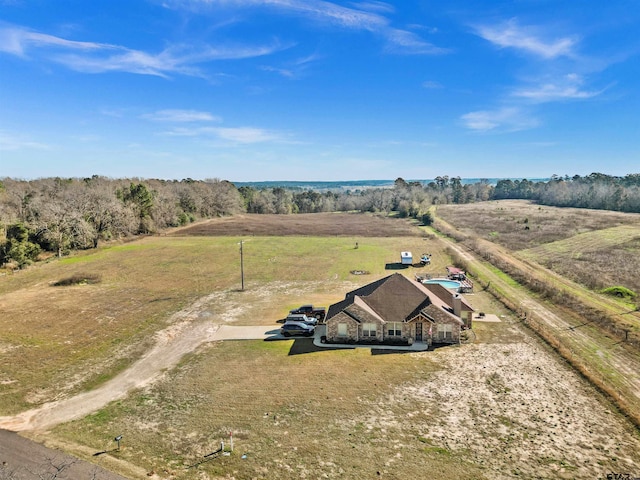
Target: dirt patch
x,y
503,406
315,224
616,368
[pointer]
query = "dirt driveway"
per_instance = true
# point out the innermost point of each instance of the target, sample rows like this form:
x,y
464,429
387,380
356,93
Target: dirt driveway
x,y
186,332
238,332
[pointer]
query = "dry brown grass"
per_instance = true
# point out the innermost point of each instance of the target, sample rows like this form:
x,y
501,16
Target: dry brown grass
x,y
297,412
312,224
506,221
578,325
490,410
56,341
294,416
595,248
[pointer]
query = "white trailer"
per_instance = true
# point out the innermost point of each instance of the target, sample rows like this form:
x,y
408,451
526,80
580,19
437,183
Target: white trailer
x,y
406,258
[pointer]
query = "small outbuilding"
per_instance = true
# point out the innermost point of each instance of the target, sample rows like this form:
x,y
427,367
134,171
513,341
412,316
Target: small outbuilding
x,y
406,258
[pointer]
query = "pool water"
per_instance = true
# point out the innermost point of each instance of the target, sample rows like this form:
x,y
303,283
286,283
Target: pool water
x,y
451,284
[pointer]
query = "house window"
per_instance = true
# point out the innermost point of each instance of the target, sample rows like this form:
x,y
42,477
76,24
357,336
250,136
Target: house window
x,y
368,329
394,329
342,329
445,331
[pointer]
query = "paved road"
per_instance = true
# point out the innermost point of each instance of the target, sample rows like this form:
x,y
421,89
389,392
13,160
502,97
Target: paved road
x,y
23,459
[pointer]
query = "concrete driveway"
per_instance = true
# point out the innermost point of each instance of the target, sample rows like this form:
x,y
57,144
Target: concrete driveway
x,y
236,332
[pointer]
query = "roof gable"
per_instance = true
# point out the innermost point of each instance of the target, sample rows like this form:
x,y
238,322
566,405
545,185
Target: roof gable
x,y
394,298
444,294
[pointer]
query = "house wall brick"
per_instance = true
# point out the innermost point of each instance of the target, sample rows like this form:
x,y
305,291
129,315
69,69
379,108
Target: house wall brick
x,y
438,337
380,331
332,328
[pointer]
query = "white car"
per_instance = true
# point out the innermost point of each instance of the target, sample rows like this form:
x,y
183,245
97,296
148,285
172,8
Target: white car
x,y
300,317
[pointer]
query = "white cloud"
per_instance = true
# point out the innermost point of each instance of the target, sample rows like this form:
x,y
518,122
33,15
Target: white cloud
x,y
402,41
512,35
374,6
285,72
294,69
90,57
431,85
508,119
170,115
367,16
565,88
244,135
16,41
11,142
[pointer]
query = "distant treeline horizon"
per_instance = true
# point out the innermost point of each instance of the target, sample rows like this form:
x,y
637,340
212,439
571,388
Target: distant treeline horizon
x,y
59,215
359,184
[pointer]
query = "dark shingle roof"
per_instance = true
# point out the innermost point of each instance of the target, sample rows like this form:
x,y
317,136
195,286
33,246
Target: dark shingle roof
x,y
350,297
394,298
446,296
439,315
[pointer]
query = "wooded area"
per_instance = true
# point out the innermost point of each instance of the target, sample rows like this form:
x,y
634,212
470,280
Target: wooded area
x,y
58,215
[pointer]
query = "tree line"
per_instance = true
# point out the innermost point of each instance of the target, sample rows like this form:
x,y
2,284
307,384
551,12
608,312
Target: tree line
x,y
597,191
58,215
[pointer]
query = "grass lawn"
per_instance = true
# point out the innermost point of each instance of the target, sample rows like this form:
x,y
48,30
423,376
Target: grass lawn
x,y
309,415
56,341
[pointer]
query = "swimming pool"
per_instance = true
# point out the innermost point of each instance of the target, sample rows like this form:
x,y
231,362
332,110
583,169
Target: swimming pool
x,y
445,282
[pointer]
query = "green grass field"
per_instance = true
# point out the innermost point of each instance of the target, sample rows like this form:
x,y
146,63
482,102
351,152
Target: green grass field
x,y
285,410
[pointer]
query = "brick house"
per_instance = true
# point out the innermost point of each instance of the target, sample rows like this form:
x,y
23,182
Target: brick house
x,y
398,310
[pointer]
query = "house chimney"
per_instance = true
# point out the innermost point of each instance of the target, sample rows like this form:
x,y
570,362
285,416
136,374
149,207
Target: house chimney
x,y
457,305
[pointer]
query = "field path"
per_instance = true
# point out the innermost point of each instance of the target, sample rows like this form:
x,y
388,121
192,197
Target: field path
x,y
541,273
186,332
610,362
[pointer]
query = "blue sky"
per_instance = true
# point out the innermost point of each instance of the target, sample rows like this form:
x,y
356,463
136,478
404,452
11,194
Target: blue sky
x,y
249,90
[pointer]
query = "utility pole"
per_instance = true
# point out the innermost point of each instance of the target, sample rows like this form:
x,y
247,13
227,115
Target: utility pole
x,y
242,265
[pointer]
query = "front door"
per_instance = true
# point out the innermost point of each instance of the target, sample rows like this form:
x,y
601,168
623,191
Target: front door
x,y
418,332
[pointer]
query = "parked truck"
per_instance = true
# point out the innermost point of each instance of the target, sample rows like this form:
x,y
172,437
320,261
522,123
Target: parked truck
x,y
311,311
